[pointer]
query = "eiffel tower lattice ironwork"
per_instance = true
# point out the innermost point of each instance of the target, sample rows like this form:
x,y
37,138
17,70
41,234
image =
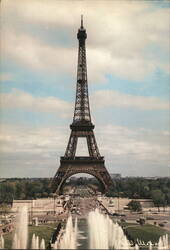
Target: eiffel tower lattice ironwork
x,y
81,126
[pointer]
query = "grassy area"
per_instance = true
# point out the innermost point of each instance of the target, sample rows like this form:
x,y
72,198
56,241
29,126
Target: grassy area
x,y
43,231
146,232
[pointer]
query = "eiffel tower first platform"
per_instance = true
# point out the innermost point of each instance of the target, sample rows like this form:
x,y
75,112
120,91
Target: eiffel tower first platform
x,y
81,127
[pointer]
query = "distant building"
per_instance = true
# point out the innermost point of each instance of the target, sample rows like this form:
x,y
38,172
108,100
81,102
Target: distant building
x,y
115,176
154,177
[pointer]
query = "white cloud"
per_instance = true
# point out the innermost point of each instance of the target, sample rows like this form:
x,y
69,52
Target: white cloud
x,y
37,55
32,140
23,100
41,147
17,99
122,37
141,144
110,98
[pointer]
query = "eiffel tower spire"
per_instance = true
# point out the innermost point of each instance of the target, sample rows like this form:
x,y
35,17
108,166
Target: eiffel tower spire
x,y
81,21
82,108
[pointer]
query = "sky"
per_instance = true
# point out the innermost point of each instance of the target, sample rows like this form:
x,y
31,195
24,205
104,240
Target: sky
x,y
128,58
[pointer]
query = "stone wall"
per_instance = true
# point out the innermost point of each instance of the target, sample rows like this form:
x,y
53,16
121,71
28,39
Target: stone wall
x,y
40,206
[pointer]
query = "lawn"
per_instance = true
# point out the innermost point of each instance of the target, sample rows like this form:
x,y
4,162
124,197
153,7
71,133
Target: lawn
x,y
146,232
43,231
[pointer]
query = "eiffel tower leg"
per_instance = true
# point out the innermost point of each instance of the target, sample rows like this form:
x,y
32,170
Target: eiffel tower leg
x,y
72,145
104,175
59,178
92,145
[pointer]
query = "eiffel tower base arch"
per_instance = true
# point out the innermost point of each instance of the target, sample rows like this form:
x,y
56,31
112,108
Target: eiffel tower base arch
x,y
88,165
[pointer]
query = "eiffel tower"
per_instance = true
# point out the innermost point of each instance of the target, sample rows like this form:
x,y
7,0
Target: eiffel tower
x,y
81,127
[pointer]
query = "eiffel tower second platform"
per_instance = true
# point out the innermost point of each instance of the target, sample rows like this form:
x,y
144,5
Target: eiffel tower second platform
x,y
82,126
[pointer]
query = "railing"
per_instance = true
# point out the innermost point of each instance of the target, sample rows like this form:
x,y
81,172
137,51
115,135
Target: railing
x,y
85,158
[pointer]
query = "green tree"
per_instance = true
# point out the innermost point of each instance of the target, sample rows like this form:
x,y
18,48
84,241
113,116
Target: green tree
x,y
7,191
19,190
134,206
158,198
4,208
112,192
168,197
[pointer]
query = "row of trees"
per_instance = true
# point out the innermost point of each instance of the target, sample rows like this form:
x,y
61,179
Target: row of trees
x,y
141,188
24,189
133,188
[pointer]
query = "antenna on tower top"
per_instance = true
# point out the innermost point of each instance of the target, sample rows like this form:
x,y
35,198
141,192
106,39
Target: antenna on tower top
x,y
81,21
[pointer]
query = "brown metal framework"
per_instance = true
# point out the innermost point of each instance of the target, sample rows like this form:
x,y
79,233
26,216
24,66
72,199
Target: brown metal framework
x,y
82,127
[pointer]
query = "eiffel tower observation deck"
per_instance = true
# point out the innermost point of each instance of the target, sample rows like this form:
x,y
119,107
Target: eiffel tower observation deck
x,y
82,126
